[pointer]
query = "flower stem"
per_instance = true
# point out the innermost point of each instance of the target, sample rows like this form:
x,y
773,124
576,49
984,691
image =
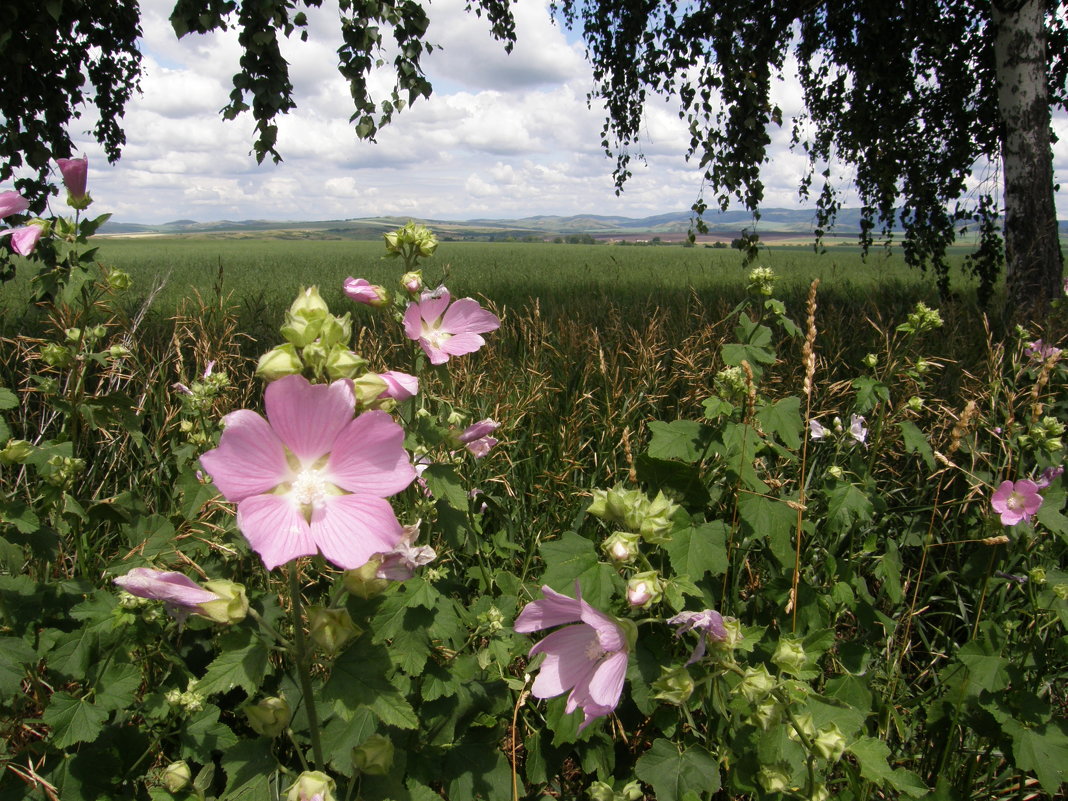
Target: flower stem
x,y
301,648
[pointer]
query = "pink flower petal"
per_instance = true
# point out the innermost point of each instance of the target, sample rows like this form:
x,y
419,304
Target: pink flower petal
x,y
466,316
413,322
275,528
12,202
400,386
165,585
553,609
368,457
436,355
565,663
250,459
350,529
75,172
309,417
606,684
24,240
608,630
432,308
462,343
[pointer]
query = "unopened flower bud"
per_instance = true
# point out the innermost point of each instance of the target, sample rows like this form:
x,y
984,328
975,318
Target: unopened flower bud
x,y
119,280
374,756
118,351
790,656
269,716
412,282
622,547
176,776
632,791
675,685
16,451
368,387
335,331
279,362
312,785
756,684
829,742
343,363
55,355
314,356
774,779
309,305
331,629
232,605
644,589
301,331
1037,575
836,472
363,583
767,713
600,791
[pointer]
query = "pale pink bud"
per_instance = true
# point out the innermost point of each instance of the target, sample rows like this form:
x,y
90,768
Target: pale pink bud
x,y
75,172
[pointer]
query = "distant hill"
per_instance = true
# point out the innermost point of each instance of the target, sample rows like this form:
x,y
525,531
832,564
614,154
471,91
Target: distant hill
x,y
773,223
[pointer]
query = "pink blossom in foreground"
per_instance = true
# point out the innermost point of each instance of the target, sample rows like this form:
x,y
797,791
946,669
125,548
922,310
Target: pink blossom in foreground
x,y
24,240
363,291
180,593
476,437
12,203
445,330
588,658
75,173
708,624
399,386
310,477
1016,501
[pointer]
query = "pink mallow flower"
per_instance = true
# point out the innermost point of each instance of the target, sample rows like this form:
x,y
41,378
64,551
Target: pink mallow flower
x,y
588,658
445,330
708,624
180,594
1049,475
400,564
399,386
12,203
1016,501
310,477
75,173
24,240
363,291
857,429
476,437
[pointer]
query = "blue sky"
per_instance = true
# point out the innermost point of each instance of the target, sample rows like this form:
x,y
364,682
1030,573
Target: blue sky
x,y
503,135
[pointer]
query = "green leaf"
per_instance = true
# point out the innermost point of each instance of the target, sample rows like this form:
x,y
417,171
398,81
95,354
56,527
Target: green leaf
x,y
8,399
673,774
916,442
445,485
872,756
1042,749
15,656
248,766
697,551
574,558
242,662
783,419
847,505
118,687
772,518
205,733
360,678
73,720
685,440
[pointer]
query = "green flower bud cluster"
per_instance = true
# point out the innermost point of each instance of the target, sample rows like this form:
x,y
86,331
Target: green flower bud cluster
x,y
731,384
315,340
490,621
63,470
200,396
1044,436
922,319
176,777
410,242
118,280
602,791
635,512
790,656
187,702
762,281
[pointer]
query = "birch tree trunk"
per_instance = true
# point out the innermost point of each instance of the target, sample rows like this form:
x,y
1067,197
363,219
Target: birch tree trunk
x,y
1034,265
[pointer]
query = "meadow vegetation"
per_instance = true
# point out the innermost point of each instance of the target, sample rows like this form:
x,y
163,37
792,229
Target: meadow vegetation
x,y
800,476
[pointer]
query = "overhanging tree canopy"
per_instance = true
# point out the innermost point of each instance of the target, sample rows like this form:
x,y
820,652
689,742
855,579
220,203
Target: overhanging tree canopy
x,y
913,95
